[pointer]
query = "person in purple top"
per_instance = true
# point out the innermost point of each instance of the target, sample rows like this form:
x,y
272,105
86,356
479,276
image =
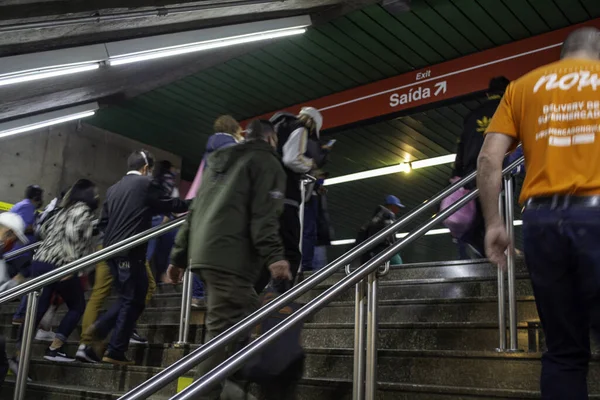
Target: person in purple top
x,y
228,132
19,267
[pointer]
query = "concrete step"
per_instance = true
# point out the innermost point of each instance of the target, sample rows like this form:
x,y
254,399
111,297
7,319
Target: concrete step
x,y
454,371
417,335
448,288
470,309
483,370
155,333
309,389
151,315
95,376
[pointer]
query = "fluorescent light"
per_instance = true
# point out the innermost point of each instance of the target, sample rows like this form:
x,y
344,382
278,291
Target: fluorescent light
x,y
44,73
405,167
205,45
430,162
342,242
402,167
47,119
402,235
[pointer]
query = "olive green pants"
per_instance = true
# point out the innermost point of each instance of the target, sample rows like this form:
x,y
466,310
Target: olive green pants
x,y
229,299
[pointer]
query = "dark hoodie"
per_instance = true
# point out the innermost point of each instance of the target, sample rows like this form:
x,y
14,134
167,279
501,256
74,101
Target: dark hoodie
x,y
233,224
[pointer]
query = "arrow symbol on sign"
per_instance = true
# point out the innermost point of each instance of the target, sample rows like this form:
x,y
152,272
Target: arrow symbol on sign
x,y
442,87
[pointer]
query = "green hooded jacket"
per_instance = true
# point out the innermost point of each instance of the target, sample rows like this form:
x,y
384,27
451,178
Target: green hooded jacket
x,y
233,223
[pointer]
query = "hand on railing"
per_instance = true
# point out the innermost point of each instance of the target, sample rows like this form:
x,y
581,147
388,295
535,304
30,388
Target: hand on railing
x,y
280,270
174,275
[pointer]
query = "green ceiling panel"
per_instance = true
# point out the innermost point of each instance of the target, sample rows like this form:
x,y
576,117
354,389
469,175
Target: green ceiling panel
x,y
403,34
572,10
496,13
592,7
362,47
528,16
551,14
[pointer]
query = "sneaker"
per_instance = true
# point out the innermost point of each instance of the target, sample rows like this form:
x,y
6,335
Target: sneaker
x,y
13,366
18,321
198,302
115,359
43,335
137,339
57,355
86,354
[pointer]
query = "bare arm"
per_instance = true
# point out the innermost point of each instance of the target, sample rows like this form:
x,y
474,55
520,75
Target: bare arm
x,y
489,174
489,182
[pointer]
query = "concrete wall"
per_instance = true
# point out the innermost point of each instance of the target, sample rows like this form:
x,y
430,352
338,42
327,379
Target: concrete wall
x,y
56,157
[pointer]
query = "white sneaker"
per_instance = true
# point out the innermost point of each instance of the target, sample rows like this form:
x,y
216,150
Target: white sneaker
x,y
46,336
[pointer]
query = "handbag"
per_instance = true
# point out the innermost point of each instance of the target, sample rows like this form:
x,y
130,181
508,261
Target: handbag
x,y
462,220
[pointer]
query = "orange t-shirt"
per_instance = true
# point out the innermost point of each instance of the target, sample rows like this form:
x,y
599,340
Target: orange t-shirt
x,y
555,112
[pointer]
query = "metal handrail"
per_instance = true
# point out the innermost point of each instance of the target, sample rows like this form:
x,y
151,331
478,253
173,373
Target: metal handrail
x,y
188,362
232,364
22,250
78,265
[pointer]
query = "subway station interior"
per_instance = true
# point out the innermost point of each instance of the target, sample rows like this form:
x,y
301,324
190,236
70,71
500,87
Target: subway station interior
x,y
83,84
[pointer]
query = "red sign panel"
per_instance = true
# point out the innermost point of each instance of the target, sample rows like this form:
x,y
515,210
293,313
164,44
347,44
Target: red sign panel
x,y
444,81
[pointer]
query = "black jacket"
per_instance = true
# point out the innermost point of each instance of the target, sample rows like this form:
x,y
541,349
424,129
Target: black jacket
x,y
471,140
129,207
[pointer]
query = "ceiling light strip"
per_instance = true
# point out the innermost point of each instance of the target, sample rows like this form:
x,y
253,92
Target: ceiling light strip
x,y
202,46
47,119
393,169
402,235
46,73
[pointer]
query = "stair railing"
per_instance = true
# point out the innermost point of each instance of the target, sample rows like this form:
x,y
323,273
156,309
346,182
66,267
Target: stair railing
x,y
32,287
232,364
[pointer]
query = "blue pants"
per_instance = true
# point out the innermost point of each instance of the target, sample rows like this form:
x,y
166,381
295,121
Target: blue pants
x,y
131,281
309,234
159,249
563,257
71,292
197,287
319,258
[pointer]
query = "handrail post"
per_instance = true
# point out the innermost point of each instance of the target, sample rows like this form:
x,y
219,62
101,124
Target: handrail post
x,y
358,391
186,308
501,294
29,329
510,230
372,331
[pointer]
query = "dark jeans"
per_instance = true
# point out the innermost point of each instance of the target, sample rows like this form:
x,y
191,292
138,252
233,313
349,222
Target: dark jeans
x,y
475,237
131,281
309,234
562,252
72,293
289,231
3,360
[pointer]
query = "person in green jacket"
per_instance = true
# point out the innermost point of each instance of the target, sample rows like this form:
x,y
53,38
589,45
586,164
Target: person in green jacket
x,y
232,233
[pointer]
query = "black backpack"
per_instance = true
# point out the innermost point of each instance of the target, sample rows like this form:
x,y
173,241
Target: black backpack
x,y
274,362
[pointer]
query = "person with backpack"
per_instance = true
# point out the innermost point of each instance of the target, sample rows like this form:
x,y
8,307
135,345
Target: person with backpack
x,y
384,216
232,233
293,134
475,123
227,132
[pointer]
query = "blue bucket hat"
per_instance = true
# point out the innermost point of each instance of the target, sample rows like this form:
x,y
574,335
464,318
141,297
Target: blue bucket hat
x,y
393,200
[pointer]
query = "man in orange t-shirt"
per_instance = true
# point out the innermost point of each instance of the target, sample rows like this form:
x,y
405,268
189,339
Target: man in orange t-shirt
x,y
555,112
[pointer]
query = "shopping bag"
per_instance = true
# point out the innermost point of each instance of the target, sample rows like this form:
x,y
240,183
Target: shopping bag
x,y
461,221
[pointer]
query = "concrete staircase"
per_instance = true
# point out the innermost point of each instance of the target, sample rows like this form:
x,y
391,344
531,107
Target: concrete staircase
x,y
437,340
